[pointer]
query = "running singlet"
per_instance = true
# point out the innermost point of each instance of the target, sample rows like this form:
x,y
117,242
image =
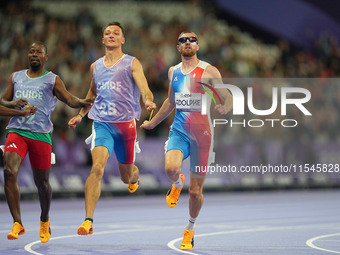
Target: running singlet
x,y
186,120
38,91
117,94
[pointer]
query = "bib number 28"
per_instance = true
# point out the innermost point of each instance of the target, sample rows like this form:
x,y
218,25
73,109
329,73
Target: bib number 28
x,y
108,109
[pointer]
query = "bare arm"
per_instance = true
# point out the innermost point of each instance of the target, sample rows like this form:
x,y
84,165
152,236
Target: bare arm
x,y
63,95
29,110
214,77
142,84
91,95
167,107
6,99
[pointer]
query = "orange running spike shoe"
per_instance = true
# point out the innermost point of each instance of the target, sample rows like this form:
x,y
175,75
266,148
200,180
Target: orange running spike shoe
x,y
173,194
133,186
45,231
188,240
17,230
86,228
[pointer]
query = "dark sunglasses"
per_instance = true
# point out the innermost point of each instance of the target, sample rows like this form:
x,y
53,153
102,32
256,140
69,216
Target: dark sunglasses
x,y
183,40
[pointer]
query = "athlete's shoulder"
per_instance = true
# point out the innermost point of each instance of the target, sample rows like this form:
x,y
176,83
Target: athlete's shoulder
x,y
127,56
172,69
99,61
211,72
178,66
20,72
52,77
51,73
131,61
203,64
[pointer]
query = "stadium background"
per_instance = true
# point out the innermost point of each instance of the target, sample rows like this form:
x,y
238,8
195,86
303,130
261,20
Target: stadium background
x,y
235,36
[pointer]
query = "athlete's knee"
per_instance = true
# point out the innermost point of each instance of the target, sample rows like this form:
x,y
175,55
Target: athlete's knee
x,y
172,169
98,170
43,185
10,173
12,162
41,181
195,192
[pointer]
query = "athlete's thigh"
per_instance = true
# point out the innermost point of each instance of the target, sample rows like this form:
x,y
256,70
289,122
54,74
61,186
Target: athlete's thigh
x,y
177,148
201,154
173,158
124,135
177,141
15,151
101,137
39,154
100,155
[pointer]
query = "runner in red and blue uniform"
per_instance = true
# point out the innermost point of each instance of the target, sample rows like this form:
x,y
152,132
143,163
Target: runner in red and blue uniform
x,y
117,84
191,132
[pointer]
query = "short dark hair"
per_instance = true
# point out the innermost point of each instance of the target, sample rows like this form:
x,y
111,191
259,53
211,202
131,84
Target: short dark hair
x,y
115,23
42,45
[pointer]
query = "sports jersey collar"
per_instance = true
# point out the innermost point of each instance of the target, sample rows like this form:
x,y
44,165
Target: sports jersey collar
x,y
46,72
109,67
191,69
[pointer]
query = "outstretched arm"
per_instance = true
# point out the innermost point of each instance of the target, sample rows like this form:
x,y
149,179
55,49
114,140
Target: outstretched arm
x,y
63,95
91,95
142,84
167,107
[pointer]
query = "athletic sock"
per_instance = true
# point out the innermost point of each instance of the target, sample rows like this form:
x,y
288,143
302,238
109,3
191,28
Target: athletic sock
x,y
178,183
191,224
89,218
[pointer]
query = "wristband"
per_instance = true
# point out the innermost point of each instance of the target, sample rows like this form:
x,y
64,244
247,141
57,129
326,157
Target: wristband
x,y
80,115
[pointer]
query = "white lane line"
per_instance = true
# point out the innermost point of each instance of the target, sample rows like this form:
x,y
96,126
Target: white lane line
x,y
28,248
310,243
171,244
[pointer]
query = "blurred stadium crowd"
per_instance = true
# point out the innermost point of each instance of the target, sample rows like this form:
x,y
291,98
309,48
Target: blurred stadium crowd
x,y
72,31
74,42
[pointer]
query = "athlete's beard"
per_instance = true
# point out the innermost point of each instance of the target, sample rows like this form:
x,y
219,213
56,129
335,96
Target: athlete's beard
x,y
190,53
35,66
